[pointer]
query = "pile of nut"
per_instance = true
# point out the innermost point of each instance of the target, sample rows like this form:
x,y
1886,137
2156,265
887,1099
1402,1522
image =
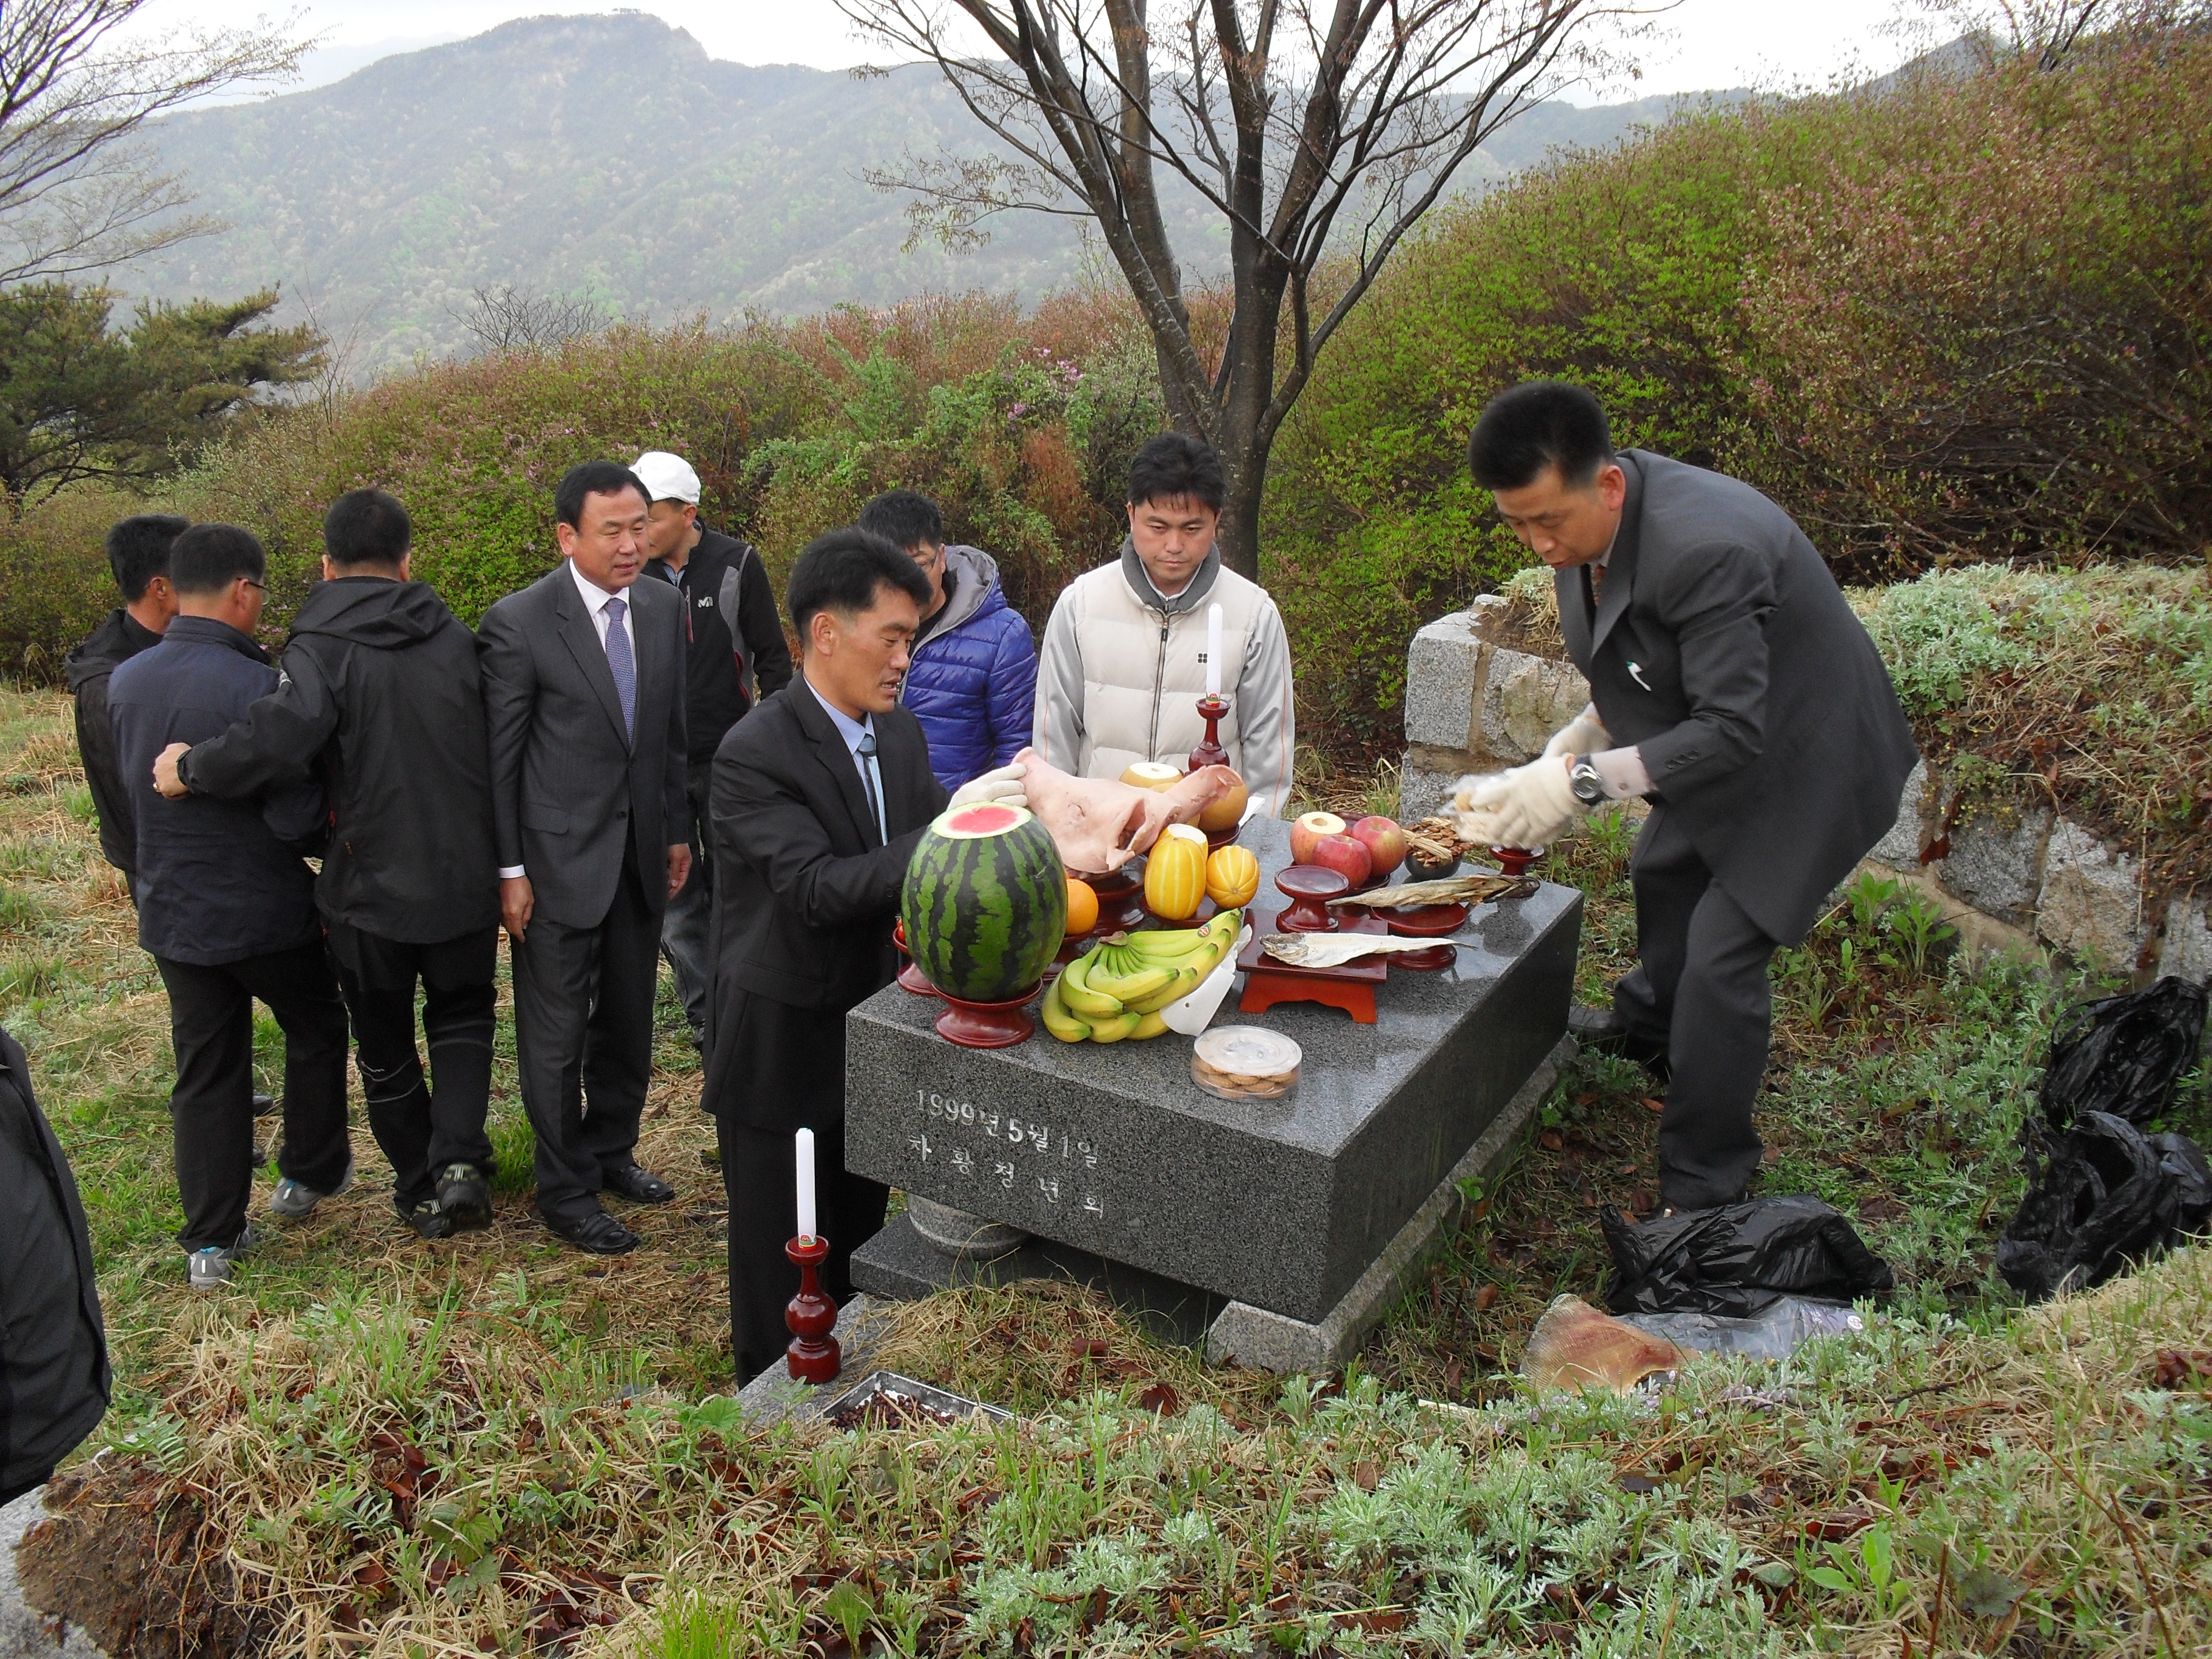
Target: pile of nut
x,y
1436,839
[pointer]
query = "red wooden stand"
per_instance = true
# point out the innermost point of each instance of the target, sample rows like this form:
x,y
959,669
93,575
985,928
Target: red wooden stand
x,y
1267,981
986,1025
910,978
1121,901
813,1355
1515,860
1426,921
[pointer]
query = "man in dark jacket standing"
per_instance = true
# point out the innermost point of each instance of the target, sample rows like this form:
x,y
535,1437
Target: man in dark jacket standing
x,y
380,682
139,554
583,684
1733,688
226,910
818,801
735,655
972,683
53,1347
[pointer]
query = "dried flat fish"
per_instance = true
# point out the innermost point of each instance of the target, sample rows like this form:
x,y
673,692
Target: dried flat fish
x,y
1335,950
1452,890
1576,1346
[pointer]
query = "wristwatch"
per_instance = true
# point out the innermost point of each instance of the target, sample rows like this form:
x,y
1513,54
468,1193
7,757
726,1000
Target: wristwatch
x,y
1582,778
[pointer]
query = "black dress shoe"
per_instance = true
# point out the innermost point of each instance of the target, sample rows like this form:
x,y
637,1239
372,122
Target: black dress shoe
x,y
639,1186
1603,1029
594,1231
264,1105
465,1196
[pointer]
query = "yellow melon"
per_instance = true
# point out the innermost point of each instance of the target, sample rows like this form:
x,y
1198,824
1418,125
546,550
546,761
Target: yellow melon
x,y
1175,873
1232,877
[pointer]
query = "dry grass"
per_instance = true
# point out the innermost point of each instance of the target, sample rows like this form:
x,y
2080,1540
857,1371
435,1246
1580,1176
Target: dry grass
x,y
501,1446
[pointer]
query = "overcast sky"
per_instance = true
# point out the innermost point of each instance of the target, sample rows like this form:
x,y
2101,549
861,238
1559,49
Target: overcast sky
x,y
1713,44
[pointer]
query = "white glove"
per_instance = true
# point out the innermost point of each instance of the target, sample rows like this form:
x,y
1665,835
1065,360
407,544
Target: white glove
x,y
1002,787
1529,806
1581,735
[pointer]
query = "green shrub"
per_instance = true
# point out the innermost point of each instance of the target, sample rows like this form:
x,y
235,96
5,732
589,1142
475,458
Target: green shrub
x,y
54,584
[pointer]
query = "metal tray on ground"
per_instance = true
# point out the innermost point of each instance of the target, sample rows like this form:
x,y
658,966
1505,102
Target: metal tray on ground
x,y
893,1386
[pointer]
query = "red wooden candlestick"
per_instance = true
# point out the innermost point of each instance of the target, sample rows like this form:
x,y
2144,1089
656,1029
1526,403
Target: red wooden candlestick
x,y
1211,709
813,1355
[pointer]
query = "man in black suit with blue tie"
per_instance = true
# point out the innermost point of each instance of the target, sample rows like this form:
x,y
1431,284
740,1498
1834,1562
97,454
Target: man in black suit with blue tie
x,y
583,684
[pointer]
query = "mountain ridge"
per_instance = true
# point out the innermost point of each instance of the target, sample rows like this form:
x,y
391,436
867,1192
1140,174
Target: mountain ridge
x,y
611,156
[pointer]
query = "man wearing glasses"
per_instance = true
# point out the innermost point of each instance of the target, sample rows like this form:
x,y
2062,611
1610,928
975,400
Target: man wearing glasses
x,y
226,910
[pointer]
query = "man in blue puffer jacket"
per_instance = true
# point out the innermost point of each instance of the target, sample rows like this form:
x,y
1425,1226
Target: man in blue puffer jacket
x,y
973,682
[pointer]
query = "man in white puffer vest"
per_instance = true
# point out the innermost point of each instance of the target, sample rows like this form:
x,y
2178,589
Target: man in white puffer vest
x,y
1123,662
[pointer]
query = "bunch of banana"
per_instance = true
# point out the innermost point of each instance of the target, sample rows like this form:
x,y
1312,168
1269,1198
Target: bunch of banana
x,y
1117,989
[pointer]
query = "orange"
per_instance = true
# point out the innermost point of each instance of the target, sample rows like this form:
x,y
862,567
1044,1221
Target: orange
x,y
1082,908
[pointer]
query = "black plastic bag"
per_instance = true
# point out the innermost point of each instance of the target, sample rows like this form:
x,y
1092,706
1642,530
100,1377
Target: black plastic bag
x,y
2107,1194
2125,1054
1738,1259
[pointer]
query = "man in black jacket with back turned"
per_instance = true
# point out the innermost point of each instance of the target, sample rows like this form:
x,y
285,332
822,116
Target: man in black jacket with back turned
x,y
226,910
139,554
381,682
735,655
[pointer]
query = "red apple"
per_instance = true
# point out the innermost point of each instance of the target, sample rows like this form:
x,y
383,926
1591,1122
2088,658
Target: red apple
x,y
1309,829
1343,855
1384,841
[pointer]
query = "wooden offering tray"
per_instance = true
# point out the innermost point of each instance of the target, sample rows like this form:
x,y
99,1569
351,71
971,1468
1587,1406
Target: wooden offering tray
x,y
1267,981
911,977
1120,900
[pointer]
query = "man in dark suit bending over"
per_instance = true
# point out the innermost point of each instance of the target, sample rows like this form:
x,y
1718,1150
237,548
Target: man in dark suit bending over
x,y
1733,688
583,690
818,798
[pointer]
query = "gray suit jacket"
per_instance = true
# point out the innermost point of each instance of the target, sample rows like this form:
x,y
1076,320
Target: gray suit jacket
x,y
567,785
1724,651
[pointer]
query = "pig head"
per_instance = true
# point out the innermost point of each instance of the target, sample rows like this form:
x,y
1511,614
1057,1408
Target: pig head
x,y
1100,824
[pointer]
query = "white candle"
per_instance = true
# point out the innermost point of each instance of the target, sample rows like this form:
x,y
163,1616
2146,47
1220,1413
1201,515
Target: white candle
x,y
806,1183
1213,651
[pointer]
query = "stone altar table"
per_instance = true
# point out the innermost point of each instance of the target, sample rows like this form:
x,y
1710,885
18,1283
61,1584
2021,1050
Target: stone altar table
x,y
1267,1216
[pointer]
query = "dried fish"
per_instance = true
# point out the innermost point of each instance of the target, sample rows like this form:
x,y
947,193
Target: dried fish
x,y
1452,890
1335,950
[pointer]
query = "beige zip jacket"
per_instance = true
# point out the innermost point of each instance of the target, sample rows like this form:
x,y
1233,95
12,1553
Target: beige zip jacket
x,y
1120,672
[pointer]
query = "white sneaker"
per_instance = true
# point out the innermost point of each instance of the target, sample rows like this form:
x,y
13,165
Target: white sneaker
x,y
293,1201
208,1269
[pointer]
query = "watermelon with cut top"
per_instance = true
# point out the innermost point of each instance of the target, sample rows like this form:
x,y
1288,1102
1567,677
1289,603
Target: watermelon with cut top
x,y
985,904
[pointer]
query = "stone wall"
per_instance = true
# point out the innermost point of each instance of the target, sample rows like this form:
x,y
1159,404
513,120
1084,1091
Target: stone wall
x,y
2020,874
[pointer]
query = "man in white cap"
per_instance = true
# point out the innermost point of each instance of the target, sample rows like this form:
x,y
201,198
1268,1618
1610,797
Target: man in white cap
x,y
736,656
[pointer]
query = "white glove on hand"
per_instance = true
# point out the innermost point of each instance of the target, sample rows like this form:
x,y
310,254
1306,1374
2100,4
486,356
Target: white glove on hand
x,y
1002,787
1529,806
1581,735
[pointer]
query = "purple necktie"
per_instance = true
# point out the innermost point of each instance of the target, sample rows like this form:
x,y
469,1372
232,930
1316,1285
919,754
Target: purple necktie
x,y
623,665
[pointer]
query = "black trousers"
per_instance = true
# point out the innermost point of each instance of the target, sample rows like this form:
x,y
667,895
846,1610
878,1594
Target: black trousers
x,y
789,1072
1699,991
211,1109
583,1041
421,1128
686,930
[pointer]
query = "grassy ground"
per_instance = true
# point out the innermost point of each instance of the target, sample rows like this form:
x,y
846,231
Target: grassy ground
x,y
374,1446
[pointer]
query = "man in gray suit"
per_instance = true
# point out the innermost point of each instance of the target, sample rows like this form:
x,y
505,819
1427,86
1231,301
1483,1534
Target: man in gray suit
x,y
1733,688
583,684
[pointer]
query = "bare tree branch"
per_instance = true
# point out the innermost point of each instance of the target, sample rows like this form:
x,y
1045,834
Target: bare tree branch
x,y
76,193
1299,123
504,318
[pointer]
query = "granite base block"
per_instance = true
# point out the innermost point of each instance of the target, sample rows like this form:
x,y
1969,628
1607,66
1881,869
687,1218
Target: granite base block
x,y
1273,1342
898,1264
776,1395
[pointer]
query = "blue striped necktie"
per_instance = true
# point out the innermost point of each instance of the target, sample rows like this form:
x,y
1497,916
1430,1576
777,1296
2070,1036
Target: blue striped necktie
x,y
623,665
